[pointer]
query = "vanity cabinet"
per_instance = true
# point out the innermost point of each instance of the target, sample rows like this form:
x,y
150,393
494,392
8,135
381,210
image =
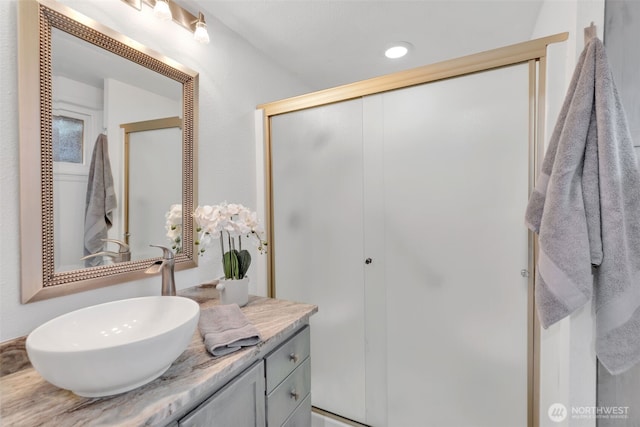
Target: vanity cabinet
x,y
274,392
288,382
301,417
237,390
240,403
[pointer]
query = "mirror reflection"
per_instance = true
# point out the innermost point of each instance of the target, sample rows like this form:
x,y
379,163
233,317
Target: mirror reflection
x,y
152,181
113,180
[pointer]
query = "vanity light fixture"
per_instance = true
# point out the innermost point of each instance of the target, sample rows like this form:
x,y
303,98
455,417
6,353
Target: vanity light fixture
x,y
168,10
200,34
397,50
162,11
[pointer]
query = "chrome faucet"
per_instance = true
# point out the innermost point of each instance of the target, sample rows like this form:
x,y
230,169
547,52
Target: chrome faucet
x,y
166,264
123,254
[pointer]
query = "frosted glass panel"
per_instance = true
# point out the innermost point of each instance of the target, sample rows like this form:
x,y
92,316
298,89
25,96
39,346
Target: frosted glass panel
x,y
153,187
437,333
317,195
67,134
455,190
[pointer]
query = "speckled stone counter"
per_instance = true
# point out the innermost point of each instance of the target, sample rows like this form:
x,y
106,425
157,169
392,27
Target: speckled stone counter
x,y
26,399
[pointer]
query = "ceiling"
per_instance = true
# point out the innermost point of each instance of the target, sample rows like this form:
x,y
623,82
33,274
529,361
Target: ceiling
x,y
73,58
326,43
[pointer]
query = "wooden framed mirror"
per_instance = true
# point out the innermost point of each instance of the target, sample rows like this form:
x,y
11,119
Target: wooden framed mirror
x,y
63,54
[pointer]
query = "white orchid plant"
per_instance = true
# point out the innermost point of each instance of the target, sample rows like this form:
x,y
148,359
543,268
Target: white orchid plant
x,y
174,227
229,222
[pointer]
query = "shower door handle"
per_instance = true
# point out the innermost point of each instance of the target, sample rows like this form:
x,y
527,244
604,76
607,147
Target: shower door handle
x,y
368,261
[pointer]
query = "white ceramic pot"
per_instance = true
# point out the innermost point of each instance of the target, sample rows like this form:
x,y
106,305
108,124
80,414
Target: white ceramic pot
x,y
234,291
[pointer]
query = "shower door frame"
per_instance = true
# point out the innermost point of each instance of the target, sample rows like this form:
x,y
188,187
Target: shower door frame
x,y
534,53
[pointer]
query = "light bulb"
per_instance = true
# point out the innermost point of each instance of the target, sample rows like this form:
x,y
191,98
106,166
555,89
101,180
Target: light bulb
x,y
200,34
397,50
162,10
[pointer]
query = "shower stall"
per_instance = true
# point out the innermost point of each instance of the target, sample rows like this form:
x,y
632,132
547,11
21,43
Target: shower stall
x,y
396,205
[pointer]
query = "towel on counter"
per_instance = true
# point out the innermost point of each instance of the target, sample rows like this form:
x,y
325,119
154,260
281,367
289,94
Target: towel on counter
x,y
226,329
100,201
586,210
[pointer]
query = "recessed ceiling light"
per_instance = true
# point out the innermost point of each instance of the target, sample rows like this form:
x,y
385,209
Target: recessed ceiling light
x,y
397,50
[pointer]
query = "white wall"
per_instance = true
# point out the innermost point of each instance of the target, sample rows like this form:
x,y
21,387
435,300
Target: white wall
x,y
568,361
234,78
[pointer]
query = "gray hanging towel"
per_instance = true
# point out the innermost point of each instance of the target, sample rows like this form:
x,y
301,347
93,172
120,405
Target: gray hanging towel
x,y
586,210
100,201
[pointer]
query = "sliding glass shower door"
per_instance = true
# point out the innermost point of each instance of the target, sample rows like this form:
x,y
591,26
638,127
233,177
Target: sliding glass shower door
x,y
401,216
455,190
318,167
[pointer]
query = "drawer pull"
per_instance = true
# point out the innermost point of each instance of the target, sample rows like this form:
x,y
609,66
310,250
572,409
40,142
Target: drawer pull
x,y
294,394
293,357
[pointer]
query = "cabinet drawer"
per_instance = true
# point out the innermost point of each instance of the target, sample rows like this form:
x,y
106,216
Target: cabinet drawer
x,y
289,394
286,358
302,416
240,403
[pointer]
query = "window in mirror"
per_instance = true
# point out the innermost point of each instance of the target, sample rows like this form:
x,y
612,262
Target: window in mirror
x,y
68,137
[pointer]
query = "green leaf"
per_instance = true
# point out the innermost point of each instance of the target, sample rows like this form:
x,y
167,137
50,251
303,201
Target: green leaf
x,y
244,261
230,264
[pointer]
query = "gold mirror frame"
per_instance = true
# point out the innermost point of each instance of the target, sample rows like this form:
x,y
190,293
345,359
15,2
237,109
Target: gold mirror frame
x,y
36,19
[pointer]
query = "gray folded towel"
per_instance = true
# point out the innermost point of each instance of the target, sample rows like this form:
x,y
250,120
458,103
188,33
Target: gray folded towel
x,y
226,329
586,209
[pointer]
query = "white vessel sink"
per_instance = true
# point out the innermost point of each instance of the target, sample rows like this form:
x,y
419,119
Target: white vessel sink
x,y
114,347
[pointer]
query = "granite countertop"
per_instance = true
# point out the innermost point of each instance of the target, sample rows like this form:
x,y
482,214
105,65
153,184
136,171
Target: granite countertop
x,y
26,399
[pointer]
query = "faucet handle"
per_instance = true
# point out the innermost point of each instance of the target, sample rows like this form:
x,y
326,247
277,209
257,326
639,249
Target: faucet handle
x,y
154,268
101,253
166,252
123,247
